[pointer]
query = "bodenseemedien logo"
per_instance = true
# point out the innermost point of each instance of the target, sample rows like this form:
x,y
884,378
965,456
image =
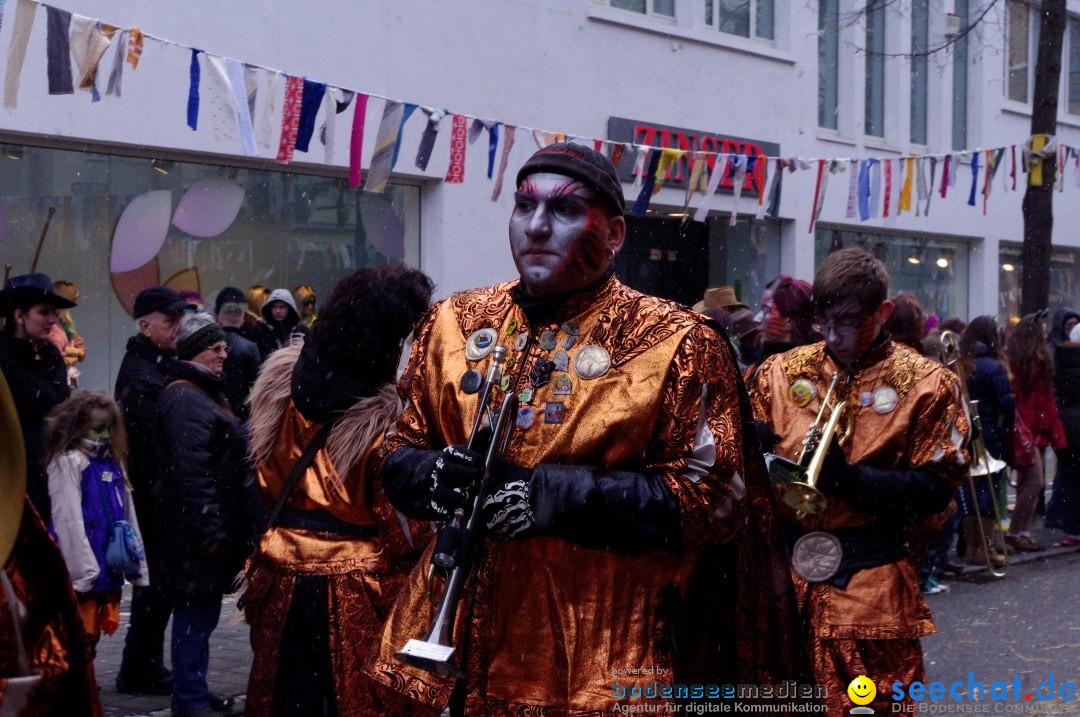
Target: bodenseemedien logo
x,y
862,692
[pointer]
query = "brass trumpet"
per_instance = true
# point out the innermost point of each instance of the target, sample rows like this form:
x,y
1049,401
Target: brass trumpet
x,y
983,464
798,479
455,545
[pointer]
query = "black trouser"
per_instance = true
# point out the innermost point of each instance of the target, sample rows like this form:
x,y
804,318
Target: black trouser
x,y
151,606
305,674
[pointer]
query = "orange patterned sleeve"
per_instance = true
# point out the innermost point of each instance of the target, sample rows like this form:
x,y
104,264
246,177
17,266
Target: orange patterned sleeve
x,y
939,439
698,444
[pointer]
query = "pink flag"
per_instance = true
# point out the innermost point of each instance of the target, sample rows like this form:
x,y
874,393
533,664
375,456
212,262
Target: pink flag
x,y
356,147
456,173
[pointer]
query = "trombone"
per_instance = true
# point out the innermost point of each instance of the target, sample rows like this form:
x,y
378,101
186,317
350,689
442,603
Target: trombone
x,y
983,464
798,479
455,545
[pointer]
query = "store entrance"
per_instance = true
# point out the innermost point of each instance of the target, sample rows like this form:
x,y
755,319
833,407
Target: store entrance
x,y
665,258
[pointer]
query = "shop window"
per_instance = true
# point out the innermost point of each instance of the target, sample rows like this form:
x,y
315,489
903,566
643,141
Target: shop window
x,y
1064,280
290,229
934,269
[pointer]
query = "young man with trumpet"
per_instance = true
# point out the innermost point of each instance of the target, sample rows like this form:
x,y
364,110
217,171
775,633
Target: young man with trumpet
x,y
885,449
624,468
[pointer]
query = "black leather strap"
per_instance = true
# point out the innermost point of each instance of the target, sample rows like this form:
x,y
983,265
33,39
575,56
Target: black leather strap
x,y
302,463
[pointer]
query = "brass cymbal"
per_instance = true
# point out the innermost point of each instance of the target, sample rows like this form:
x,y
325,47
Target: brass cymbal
x,y
12,472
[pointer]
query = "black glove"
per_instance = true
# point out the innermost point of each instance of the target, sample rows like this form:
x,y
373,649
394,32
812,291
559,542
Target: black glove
x,y
457,471
506,510
766,437
838,477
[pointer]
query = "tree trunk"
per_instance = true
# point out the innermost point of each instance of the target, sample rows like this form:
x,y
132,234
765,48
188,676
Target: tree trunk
x,y
1038,205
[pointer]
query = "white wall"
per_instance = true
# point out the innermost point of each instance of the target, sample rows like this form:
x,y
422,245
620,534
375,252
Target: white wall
x,y
562,65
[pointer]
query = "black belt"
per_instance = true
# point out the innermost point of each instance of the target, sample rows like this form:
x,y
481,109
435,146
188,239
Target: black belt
x,y
864,546
322,521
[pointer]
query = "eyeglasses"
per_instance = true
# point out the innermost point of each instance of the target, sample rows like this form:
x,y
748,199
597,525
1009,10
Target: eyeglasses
x,y
846,325
219,348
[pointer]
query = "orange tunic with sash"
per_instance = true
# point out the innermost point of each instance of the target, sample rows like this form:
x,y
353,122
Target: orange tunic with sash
x,y
905,413
546,621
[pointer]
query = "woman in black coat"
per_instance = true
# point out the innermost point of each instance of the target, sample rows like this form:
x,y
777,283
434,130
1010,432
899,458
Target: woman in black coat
x,y
33,368
199,503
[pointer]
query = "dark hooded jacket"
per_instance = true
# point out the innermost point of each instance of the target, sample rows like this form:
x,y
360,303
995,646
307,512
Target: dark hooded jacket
x,y
272,334
200,500
241,370
1067,389
1057,327
990,386
38,383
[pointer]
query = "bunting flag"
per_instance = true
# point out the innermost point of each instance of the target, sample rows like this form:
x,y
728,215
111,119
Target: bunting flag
x,y
508,142
639,166
58,51
888,188
668,157
875,186
135,47
741,167
641,205
431,132
310,100
775,189
921,189
385,141
719,170
216,99
617,154
356,140
905,191
862,187
1012,174
290,118
116,76
406,113
20,37
455,174
697,178
986,179
193,92
264,126
930,186
760,175
945,176
853,190
242,100
88,46
815,208
493,145
337,101
974,177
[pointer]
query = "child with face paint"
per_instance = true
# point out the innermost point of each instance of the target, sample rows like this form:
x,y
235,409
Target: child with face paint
x,y
902,458
85,448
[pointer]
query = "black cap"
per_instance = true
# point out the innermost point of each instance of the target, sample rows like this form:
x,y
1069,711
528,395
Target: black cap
x,y
594,169
228,295
159,298
37,288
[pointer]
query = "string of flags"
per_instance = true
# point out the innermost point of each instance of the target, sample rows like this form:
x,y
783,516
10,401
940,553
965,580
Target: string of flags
x,y
226,93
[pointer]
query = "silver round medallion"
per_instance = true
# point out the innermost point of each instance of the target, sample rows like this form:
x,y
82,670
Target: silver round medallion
x,y
816,556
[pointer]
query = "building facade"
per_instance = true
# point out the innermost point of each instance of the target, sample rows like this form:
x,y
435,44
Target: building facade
x,y
835,79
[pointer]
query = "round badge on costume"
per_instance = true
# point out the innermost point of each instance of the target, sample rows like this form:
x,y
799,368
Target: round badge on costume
x,y
526,395
866,399
885,399
592,361
547,340
526,417
561,360
471,380
568,342
816,556
480,344
802,392
520,341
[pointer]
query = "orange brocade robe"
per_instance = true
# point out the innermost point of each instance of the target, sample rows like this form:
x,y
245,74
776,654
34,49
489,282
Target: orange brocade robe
x,y
363,574
872,627
544,621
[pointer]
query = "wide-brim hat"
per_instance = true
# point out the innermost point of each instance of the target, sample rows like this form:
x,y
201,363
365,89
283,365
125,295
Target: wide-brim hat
x,y
12,472
35,287
719,297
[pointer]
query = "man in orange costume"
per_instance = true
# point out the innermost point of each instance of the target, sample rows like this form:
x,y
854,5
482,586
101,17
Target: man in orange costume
x,y
901,462
632,458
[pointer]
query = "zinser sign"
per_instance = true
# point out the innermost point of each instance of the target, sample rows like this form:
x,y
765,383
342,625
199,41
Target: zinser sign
x,y
691,140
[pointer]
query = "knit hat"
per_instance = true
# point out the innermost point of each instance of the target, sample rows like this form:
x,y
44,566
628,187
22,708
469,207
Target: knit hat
x,y
592,168
191,345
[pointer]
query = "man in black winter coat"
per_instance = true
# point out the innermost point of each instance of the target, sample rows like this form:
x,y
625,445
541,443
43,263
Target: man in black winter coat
x,y
143,375
244,359
33,368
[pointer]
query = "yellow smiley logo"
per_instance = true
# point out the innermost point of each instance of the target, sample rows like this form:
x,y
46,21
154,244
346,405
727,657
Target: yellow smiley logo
x,y
862,690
